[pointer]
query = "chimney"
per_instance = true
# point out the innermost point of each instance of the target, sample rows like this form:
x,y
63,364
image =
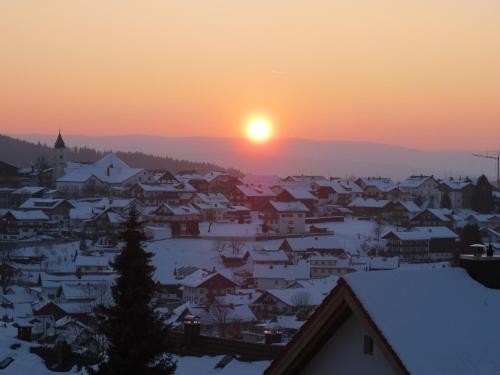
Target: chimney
x,y
272,334
191,329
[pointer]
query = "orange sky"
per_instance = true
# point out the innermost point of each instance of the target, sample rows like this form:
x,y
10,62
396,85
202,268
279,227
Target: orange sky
x,y
416,73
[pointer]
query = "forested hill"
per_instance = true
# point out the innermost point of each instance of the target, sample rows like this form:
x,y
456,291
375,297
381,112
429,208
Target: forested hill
x,y
22,154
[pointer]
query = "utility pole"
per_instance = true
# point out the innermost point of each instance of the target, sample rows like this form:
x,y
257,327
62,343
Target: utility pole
x,y
497,158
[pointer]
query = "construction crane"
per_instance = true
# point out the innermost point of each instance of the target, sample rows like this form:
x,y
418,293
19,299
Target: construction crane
x,y
497,158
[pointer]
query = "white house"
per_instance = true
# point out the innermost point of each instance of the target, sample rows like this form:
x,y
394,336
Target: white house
x,y
416,322
285,217
107,173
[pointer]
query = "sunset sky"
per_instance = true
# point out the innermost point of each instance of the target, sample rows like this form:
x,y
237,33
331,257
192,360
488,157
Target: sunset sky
x,y
424,74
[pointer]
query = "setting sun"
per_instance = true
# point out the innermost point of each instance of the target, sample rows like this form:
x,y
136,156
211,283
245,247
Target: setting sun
x,y
259,130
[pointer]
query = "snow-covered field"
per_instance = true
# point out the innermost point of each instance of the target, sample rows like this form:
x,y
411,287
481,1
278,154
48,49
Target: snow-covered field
x,y
352,232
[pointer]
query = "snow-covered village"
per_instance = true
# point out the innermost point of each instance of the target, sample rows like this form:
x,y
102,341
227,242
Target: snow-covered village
x,y
253,273
265,187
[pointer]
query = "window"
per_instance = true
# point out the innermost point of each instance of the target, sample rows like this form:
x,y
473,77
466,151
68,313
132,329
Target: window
x,y
367,345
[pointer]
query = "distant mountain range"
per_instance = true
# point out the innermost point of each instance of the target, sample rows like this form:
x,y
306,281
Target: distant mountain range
x,y
292,156
22,153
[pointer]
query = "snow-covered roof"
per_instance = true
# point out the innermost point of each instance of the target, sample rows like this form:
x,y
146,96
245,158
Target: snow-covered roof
x,y
167,187
345,186
436,321
255,191
311,243
440,213
375,262
41,203
384,184
199,277
286,272
288,206
260,180
36,215
110,169
414,181
369,203
218,198
298,296
28,190
90,261
268,256
423,233
456,183
300,193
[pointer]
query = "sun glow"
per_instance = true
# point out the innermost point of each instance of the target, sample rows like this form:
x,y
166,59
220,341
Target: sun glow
x,y
259,130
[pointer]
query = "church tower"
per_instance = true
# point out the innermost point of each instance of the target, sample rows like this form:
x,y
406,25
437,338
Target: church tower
x,y
59,157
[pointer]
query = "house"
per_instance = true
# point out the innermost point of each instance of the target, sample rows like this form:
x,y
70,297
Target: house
x,y
374,263
105,222
10,176
328,265
216,319
76,334
368,207
304,247
106,174
213,207
261,180
182,219
433,217
399,322
24,193
5,197
238,214
92,265
195,180
253,197
300,194
379,188
284,217
272,276
269,257
459,191
16,224
399,212
484,220
221,182
345,191
159,193
274,302
424,190
422,243
201,287
58,210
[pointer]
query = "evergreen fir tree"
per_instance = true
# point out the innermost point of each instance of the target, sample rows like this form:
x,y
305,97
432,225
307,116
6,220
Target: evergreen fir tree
x,y
135,332
445,200
482,197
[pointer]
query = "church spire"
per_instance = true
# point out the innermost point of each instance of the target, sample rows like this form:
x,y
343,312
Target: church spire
x,y
59,141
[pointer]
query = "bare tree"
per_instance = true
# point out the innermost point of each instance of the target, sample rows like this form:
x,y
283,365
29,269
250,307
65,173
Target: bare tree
x,y
236,245
211,217
220,246
378,230
220,313
301,298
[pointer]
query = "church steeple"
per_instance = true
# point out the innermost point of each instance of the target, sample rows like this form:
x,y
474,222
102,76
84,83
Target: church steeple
x,y
59,158
59,141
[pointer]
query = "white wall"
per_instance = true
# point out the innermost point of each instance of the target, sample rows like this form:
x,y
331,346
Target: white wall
x,y
343,354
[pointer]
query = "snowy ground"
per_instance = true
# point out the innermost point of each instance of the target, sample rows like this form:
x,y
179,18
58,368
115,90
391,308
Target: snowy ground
x,y
24,361
28,363
352,232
